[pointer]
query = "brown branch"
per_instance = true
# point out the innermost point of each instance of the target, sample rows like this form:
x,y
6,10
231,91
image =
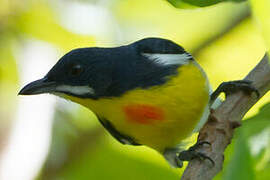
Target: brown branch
x,y
221,124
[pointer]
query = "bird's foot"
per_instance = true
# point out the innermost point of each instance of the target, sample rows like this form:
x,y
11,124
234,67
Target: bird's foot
x,y
234,86
192,153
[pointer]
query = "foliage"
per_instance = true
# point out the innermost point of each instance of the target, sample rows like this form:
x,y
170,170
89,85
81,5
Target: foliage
x,y
198,3
250,158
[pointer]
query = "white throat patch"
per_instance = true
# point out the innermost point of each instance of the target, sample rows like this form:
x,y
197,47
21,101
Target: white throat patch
x,y
77,90
169,59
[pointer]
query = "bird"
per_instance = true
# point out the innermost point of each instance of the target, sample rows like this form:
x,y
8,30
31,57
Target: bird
x,y
150,92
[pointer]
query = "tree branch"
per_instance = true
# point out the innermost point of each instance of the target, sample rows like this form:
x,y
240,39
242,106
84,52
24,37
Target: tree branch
x,y
221,124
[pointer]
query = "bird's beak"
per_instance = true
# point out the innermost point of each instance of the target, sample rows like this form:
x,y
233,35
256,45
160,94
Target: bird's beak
x,y
38,87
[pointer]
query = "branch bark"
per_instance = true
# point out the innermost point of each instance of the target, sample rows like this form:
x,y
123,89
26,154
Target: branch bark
x,y
221,124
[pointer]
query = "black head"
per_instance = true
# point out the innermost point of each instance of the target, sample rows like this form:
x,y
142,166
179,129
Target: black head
x,y
109,72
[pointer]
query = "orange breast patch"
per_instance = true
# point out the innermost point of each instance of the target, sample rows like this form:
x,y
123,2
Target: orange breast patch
x,y
143,114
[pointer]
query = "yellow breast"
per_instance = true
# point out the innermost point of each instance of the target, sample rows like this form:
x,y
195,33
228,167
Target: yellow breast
x,y
180,101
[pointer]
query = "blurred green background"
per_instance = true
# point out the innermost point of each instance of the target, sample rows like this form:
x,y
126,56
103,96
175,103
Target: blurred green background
x,y
44,137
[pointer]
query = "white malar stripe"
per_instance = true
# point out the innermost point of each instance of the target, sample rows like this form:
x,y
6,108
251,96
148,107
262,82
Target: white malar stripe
x,y
169,59
78,90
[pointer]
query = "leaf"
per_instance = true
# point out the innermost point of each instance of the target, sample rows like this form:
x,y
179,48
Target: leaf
x,y
241,164
180,4
184,4
107,163
264,174
202,3
257,123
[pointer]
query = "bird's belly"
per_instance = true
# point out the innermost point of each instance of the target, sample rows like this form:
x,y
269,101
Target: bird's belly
x,y
161,116
176,124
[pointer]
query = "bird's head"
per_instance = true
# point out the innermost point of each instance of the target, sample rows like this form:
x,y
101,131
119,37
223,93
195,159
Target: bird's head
x,y
110,72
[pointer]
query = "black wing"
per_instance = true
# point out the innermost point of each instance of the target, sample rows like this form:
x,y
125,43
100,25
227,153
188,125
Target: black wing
x,y
122,138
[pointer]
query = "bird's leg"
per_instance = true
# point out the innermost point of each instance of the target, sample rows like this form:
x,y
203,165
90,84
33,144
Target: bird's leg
x,y
171,155
191,153
232,87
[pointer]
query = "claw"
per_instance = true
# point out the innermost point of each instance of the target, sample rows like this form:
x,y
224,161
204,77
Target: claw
x,y
191,153
199,144
203,157
178,162
233,86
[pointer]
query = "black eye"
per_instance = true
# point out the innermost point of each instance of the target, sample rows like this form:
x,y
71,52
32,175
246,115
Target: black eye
x,y
76,70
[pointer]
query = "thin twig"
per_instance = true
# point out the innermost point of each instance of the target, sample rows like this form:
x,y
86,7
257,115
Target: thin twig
x,y
221,124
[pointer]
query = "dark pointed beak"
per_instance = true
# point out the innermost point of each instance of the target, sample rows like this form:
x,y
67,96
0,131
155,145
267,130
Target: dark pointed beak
x,y
38,87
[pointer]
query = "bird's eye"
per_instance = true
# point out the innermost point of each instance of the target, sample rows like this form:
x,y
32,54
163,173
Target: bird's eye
x,y
76,70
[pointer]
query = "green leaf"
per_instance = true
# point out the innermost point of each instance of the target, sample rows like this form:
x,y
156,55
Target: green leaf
x,y
257,123
107,163
180,4
183,4
264,173
241,164
202,3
